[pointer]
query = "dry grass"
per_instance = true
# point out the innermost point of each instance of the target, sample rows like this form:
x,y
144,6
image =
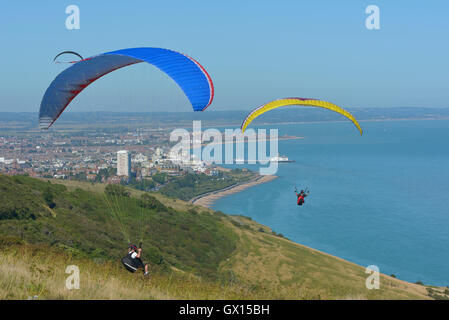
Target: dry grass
x,y
287,270
26,271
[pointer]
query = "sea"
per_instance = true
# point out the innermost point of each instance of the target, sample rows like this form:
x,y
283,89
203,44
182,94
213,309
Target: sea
x,y
379,199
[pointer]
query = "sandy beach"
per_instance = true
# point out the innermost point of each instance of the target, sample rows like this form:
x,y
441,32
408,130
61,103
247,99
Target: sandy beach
x,y
208,199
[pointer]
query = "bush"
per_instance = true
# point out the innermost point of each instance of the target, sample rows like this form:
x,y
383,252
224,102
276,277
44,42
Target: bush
x,y
235,223
150,202
159,178
116,190
220,214
192,211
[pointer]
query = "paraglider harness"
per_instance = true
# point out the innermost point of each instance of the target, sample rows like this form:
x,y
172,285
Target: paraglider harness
x,y
301,196
130,262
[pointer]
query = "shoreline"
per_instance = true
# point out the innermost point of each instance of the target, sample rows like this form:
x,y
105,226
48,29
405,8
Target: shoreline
x,y
208,199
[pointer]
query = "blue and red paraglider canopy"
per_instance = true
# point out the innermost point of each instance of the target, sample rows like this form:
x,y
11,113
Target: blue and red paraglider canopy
x,y
190,76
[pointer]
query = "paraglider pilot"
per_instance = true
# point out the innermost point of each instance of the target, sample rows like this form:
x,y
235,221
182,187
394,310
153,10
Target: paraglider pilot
x,y
301,195
132,261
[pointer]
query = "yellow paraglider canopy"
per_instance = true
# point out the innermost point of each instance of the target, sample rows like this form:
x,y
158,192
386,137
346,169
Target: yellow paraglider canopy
x,y
297,102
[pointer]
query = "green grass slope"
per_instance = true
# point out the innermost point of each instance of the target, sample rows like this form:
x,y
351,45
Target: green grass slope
x,y
84,223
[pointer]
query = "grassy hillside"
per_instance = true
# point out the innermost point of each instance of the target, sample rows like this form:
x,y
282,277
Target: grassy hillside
x,y
84,223
292,271
29,270
194,253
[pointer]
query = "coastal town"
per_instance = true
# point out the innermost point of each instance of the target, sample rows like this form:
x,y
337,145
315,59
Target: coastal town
x,y
99,157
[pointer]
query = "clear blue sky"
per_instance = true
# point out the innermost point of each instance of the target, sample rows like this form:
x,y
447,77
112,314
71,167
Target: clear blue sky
x,y
255,51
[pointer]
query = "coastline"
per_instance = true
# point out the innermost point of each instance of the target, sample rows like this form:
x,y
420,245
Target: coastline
x,y
207,199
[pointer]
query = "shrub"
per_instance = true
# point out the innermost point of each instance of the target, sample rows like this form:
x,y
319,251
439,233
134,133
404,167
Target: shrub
x,y
220,214
116,190
150,202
